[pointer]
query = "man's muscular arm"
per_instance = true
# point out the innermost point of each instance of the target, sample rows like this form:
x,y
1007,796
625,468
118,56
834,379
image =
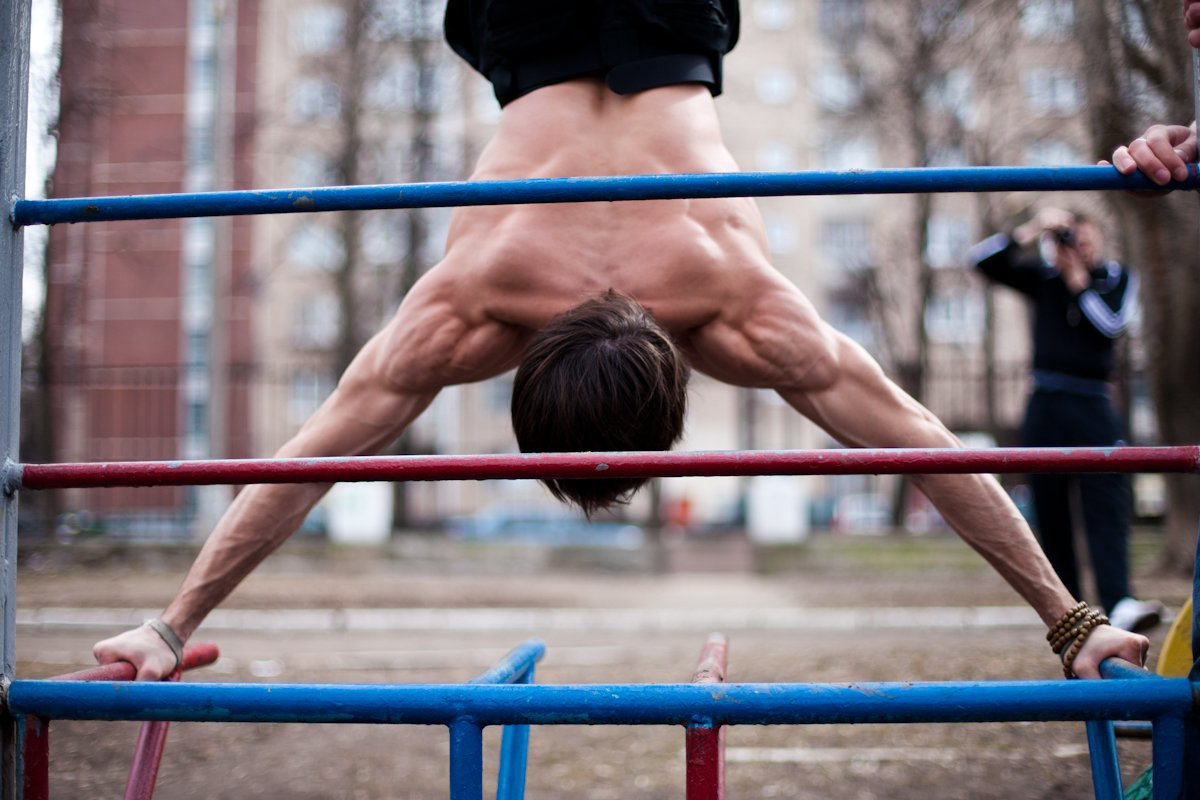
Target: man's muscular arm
x,y
777,341
393,379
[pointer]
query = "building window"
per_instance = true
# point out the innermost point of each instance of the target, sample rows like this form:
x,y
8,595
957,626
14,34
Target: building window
x,y
946,19
847,242
948,238
955,318
483,100
405,19
775,15
312,168
853,321
950,156
394,86
307,389
1047,20
841,19
775,86
836,90
499,393
781,234
313,247
776,156
1051,153
315,323
951,94
384,238
848,151
1053,91
317,30
314,99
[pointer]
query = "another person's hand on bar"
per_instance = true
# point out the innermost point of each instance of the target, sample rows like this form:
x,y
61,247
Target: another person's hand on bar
x,y
1164,151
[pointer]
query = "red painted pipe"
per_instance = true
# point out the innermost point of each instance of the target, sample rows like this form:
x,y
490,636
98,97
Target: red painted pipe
x,y
147,755
1184,458
705,745
35,755
195,655
151,739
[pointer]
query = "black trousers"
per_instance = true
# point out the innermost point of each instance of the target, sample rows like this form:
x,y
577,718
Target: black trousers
x,y
1064,419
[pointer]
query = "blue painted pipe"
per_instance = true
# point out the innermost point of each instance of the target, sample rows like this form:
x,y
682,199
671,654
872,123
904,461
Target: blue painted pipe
x,y
662,704
1102,752
514,666
514,755
588,189
466,760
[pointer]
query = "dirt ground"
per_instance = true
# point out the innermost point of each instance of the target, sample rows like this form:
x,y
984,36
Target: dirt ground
x,y
788,618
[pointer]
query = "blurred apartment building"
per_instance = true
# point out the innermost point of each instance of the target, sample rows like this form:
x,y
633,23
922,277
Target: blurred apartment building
x,y
364,91
148,337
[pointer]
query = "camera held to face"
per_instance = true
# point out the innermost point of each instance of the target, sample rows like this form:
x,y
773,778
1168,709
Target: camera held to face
x,y
1065,237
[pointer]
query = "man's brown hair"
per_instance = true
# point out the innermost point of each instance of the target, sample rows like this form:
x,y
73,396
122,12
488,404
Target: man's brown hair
x,y
603,376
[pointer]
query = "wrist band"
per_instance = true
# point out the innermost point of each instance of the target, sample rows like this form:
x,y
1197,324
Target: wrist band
x,y
168,635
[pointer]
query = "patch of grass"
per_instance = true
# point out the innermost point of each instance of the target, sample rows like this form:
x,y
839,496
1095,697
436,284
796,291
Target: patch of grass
x,y
897,552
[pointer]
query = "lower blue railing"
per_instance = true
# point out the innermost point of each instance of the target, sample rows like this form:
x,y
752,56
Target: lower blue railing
x,y
1128,694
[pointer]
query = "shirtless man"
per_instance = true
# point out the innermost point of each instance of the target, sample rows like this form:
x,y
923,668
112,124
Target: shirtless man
x,y
693,277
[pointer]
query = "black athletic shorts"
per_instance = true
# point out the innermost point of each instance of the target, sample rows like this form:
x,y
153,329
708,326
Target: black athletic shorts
x,y
634,45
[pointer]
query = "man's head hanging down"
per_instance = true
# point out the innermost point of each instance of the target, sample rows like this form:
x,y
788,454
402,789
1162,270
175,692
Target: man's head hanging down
x,y
603,376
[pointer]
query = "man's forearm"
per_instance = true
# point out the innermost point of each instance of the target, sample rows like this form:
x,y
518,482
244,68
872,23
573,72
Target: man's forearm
x,y
979,510
261,519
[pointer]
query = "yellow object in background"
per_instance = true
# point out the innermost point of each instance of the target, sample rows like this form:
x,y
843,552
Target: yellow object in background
x,y
1175,659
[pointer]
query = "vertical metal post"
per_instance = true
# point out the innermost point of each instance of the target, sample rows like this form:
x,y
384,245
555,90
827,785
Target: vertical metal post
x,y
1190,763
35,757
14,95
704,741
1106,769
514,755
1167,759
466,760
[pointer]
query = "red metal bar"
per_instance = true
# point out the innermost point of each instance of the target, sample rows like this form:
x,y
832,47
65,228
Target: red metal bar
x,y
147,755
35,755
151,739
1184,458
196,655
705,744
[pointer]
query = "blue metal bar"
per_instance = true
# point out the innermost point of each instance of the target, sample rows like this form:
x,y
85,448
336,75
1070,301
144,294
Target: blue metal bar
x,y
585,190
662,704
14,91
1190,758
514,755
1106,769
514,665
466,760
1167,762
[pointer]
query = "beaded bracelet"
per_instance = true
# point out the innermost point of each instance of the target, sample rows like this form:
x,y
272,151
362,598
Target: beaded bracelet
x,y
1063,639
1067,621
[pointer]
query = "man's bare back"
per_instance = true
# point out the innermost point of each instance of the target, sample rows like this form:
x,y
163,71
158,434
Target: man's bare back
x,y
699,266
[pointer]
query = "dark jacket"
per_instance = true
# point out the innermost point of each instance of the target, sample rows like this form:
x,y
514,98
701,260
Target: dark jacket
x,y
1073,334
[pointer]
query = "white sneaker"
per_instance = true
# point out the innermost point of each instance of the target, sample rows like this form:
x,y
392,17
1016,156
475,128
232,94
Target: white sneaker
x,y
1136,615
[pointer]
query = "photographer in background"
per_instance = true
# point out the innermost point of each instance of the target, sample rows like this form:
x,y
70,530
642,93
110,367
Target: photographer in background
x,y
1082,304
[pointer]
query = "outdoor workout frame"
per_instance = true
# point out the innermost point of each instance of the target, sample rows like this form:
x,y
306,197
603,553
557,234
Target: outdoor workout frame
x,y
1128,694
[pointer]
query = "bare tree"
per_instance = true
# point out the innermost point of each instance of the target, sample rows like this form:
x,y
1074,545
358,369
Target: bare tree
x,y
1138,70
916,64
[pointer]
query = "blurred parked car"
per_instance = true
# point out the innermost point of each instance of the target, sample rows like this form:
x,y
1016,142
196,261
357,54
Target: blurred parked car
x,y
554,527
